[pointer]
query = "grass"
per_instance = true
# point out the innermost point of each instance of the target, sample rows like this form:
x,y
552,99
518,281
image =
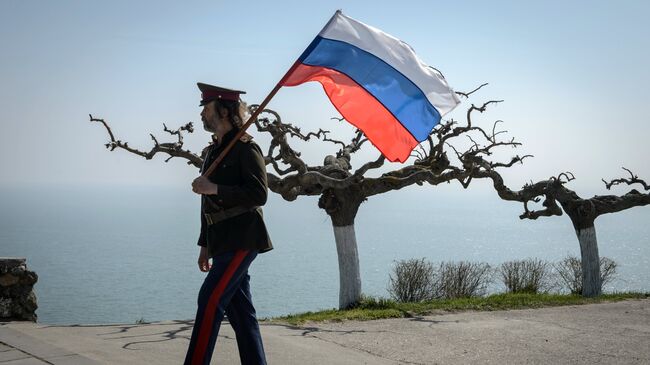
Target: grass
x,y
378,308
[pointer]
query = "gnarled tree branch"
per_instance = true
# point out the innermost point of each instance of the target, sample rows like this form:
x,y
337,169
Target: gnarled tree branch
x,y
634,179
171,149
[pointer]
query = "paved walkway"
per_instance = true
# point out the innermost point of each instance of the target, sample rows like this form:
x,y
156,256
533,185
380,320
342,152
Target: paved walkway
x,y
611,333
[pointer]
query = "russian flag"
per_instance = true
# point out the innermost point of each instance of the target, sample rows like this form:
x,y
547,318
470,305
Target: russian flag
x,y
377,83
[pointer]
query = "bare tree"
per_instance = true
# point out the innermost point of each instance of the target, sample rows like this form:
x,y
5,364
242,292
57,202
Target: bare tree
x,y
556,198
342,189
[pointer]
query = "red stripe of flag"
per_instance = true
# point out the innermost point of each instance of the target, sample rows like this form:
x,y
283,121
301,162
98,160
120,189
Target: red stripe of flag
x,y
360,108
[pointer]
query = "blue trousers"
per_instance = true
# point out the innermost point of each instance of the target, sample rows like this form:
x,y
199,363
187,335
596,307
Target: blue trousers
x,y
226,289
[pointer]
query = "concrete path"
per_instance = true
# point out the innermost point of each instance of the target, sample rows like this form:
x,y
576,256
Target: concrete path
x,y
611,333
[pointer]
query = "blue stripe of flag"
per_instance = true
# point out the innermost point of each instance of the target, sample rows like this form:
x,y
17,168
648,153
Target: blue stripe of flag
x,y
391,88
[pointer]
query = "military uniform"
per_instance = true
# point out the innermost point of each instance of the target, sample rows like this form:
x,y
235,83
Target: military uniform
x,y
233,230
242,190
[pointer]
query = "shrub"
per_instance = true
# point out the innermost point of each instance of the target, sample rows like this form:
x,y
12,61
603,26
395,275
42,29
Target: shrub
x,y
462,279
569,271
411,281
607,270
526,276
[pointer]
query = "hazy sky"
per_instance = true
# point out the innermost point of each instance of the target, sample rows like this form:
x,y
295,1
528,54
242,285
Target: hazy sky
x,y
574,77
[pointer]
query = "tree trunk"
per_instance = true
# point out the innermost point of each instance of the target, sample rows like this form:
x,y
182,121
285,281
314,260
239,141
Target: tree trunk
x,y
342,207
582,214
349,275
591,283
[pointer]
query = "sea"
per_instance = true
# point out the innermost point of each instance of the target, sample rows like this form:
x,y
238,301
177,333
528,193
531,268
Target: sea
x,y
121,254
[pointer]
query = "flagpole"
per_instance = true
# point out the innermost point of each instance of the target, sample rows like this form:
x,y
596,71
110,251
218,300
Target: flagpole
x,y
250,121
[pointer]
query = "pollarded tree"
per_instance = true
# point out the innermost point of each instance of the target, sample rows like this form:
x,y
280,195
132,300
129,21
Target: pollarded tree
x,y
556,198
341,188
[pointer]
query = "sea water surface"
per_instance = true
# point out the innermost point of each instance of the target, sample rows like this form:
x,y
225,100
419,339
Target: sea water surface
x,y
121,254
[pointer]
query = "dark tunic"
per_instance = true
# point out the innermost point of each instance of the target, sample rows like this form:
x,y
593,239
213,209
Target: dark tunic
x,y
241,180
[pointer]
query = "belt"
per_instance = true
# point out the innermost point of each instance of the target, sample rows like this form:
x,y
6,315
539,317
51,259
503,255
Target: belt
x,y
212,218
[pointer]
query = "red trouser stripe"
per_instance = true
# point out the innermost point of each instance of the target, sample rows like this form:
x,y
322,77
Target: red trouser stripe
x,y
211,308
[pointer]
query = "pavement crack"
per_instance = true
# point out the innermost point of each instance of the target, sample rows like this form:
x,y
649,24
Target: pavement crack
x,y
28,355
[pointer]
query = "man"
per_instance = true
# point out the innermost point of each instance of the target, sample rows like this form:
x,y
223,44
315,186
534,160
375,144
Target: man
x,y
232,230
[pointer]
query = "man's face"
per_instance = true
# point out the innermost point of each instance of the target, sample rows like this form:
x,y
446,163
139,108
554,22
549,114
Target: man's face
x,y
211,118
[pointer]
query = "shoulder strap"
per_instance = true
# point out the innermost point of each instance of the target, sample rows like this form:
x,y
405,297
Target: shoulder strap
x,y
246,138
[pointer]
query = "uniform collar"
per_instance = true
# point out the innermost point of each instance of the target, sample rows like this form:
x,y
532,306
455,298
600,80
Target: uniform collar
x,y
226,138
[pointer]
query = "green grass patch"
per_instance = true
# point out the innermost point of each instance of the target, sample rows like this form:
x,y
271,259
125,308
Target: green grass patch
x,y
378,308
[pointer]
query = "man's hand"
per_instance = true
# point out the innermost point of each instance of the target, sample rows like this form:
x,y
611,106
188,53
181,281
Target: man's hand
x,y
204,260
201,185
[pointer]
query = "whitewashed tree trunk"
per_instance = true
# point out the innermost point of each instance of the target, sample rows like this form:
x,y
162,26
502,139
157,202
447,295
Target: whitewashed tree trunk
x,y
349,275
591,283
